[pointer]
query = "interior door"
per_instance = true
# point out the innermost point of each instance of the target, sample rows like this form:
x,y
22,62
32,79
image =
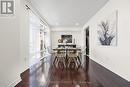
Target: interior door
x,y
87,40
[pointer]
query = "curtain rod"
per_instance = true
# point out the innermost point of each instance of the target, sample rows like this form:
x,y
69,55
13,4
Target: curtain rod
x,y
28,8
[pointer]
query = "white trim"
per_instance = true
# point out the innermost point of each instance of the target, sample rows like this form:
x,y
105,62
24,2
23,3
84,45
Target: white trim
x,y
15,82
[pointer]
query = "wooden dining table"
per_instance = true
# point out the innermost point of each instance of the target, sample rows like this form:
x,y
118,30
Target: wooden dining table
x,y
67,50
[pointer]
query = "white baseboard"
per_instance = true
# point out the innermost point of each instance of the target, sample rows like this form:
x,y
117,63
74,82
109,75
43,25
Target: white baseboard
x,y
14,83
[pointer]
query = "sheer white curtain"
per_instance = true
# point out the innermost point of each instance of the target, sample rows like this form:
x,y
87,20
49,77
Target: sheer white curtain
x,y
47,39
39,38
34,42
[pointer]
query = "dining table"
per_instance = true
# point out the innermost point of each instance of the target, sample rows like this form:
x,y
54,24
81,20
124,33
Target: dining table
x,y
67,50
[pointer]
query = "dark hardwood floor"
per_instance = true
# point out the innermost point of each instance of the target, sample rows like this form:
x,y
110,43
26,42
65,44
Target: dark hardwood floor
x,y
91,74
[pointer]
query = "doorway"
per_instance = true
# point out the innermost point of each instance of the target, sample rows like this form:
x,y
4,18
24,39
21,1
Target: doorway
x,y
87,40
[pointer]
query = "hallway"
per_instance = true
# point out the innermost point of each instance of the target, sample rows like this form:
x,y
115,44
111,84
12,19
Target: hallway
x,y
93,75
87,38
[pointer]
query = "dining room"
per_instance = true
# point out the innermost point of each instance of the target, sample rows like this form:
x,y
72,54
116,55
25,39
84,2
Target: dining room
x,y
67,65
67,43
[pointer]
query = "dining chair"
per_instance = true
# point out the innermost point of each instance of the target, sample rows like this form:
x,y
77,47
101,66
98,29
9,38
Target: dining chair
x,y
79,58
60,60
72,60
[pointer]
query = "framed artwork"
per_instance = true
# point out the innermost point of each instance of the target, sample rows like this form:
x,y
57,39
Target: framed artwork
x,y
107,30
66,38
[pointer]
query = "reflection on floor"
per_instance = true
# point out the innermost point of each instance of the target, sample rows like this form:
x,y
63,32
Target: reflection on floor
x,y
45,75
68,79
91,74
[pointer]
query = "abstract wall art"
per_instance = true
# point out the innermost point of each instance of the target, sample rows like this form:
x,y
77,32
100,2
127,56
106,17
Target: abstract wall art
x,y
107,30
66,38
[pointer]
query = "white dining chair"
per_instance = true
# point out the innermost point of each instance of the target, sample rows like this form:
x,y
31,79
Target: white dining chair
x,y
60,60
72,60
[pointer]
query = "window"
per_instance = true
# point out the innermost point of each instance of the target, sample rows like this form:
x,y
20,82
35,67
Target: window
x,y
39,39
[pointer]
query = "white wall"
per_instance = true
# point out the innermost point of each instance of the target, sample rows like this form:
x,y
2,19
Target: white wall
x,y
115,58
12,46
57,32
24,36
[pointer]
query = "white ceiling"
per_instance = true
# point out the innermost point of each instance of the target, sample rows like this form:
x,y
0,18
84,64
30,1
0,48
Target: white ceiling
x,y
67,13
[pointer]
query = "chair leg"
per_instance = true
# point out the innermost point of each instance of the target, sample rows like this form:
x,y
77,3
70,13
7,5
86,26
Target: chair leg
x,y
54,62
76,62
72,64
64,62
61,65
79,62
